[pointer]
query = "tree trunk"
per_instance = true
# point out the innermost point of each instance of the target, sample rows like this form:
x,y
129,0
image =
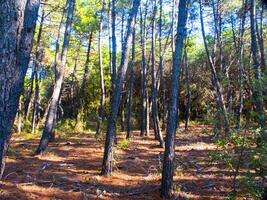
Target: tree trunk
x,y
36,73
114,44
217,85
155,114
169,153
122,113
85,74
115,102
256,65
59,36
162,80
52,112
17,26
188,96
131,85
144,112
240,52
101,73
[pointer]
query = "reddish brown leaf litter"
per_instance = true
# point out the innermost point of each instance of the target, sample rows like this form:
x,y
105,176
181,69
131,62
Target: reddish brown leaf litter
x,y
71,167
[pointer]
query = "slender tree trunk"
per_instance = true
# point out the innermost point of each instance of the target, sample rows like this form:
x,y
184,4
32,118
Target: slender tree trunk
x,y
114,44
52,112
17,26
28,101
36,73
162,80
258,88
59,36
85,74
131,85
240,51
115,102
169,153
156,123
216,81
259,30
173,25
188,96
101,73
74,82
19,114
122,113
144,121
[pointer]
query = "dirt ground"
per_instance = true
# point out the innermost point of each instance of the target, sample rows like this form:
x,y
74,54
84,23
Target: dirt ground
x,y
70,169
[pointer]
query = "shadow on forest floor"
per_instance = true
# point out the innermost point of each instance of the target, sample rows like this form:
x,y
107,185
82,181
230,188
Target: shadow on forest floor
x,y
70,169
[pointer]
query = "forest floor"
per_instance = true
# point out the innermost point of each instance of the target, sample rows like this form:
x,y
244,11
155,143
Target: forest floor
x,y
70,168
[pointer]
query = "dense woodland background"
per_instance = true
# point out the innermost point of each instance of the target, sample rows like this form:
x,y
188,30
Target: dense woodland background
x,y
113,74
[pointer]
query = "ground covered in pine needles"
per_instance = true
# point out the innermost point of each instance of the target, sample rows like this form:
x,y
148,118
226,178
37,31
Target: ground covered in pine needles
x,y
70,169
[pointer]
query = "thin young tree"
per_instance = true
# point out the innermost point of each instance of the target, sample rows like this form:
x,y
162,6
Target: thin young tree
x,y
161,68
188,90
114,43
17,25
101,73
240,51
155,113
50,123
36,73
116,97
131,85
215,79
258,76
145,102
169,153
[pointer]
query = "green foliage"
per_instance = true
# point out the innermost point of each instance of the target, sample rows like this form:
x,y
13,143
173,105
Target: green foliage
x,y
241,152
124,144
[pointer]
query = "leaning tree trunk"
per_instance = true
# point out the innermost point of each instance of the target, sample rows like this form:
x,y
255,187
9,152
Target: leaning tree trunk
x,y
169,153
59,35
155,114
50,119
116,98
216,81
85,76
17,26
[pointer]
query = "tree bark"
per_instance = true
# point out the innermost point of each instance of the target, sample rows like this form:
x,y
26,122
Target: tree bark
x,y
36,73
169,153
52,112
188,96
240,51
155,114
115,102
161,67
114,44
217,85
145,107
131,85
59,35
101,73
257,70
17,26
